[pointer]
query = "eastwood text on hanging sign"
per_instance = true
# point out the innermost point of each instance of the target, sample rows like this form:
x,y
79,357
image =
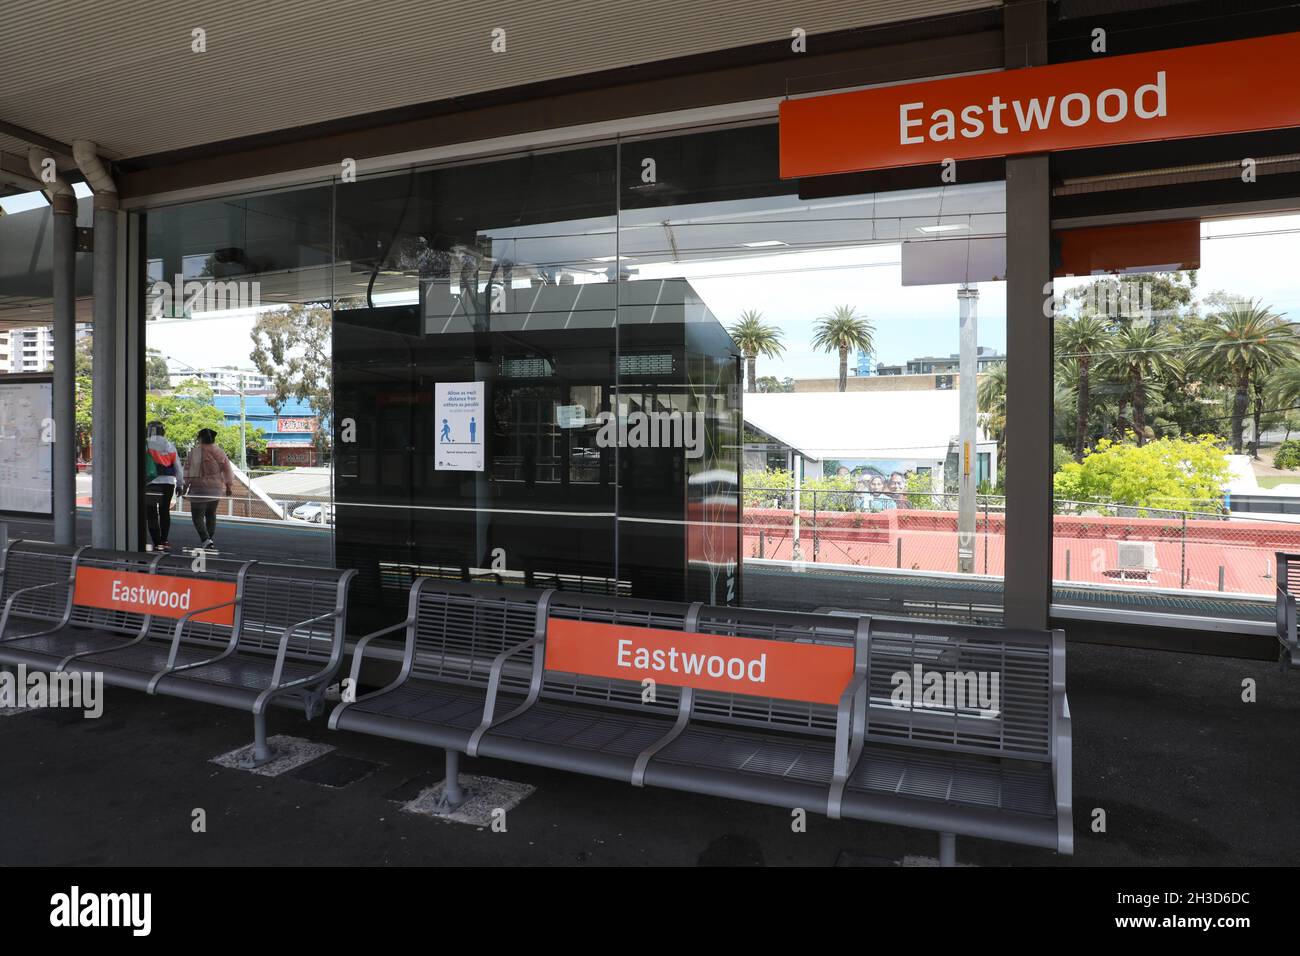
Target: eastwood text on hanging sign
x,y
740,665
162,595
1232,87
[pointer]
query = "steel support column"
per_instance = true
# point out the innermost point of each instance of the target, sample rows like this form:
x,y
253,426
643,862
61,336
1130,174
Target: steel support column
x,y
1027,588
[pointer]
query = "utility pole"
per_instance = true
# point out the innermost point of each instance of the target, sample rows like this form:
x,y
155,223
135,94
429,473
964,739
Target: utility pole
x,y
243,438
968,301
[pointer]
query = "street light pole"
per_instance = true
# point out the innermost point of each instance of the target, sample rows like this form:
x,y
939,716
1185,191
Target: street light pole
x,y
243,438
967,299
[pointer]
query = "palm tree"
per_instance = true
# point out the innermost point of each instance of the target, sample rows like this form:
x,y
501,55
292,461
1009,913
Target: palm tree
x,y
753,338
1244,343
844,331
1143,356
1082,338
992,400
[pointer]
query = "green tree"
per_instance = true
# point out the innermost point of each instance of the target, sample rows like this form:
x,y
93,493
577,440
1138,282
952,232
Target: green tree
x,y
188,410
770,383
844,331
156,373
291,347
1082,339
85,402
1240,346
1144,355
754,338
1168,474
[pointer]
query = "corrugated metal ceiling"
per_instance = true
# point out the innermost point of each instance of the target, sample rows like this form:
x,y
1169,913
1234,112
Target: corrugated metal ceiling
x,y
121,72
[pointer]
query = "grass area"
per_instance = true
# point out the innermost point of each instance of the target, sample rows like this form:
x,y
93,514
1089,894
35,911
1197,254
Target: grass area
x,y
1272,481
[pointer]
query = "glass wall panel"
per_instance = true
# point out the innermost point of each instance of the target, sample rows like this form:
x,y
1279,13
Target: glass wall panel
x,y
1176,401
474,356
238,342
792,426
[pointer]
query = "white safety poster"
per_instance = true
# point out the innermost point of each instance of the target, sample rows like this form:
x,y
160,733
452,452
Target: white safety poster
x,y
26,482
459,426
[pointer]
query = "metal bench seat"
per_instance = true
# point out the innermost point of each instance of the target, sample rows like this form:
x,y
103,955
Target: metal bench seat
x,y
564,735
163,642
421,712
43,625
454,633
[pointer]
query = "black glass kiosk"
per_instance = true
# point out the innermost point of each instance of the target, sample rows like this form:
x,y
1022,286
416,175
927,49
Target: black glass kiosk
x,y
611,443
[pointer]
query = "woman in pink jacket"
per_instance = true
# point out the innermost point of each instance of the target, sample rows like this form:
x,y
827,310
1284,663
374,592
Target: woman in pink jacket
x,y
208,474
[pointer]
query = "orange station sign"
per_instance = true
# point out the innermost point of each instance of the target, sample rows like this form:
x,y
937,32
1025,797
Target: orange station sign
x,y
162,595
740,665
1234,87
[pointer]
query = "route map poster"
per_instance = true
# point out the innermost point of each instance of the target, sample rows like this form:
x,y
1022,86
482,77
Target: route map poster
x,y
26,476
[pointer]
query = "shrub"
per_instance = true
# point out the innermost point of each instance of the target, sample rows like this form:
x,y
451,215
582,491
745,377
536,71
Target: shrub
x,y
1169,474
1288,455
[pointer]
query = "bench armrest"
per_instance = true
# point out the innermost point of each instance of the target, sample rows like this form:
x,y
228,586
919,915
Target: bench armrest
x,y
360,650
1063,774
850,735
180,627
1286,626
288,634
494,684
67,611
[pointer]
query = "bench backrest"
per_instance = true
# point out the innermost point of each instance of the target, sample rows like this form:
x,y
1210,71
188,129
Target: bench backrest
x,y
626,613
221,571
32,563
87,612
997,701
1013,718
1288,573
782,626
460,629
277,596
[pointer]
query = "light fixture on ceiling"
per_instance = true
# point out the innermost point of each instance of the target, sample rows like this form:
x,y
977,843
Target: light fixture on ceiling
x,y
763,244
610,258
947,227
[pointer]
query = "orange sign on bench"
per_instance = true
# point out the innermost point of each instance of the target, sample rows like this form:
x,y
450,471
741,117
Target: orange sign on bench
x,y
163,595
811,672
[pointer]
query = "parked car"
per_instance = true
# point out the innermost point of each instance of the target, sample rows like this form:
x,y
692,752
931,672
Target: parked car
x,y
314,511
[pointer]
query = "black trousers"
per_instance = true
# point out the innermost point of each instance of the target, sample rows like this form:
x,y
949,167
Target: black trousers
x,y
157,510
203,511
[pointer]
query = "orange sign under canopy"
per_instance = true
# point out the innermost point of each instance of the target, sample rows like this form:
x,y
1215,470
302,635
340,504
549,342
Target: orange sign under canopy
x,y
162,595
1233,87
740,665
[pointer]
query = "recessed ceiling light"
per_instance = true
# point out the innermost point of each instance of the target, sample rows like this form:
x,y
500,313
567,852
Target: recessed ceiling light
x,y
950,227
609,258
765,242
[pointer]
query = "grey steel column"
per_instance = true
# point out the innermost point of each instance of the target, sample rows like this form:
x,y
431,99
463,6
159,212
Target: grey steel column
x,y
63,456
104,437
1027,587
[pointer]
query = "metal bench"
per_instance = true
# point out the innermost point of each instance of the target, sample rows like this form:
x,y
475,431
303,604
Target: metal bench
x,y
453,634
272,634
476,679
1288,586
284,645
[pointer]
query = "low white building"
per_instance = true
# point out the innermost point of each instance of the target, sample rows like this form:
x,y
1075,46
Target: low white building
x,y
871,431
